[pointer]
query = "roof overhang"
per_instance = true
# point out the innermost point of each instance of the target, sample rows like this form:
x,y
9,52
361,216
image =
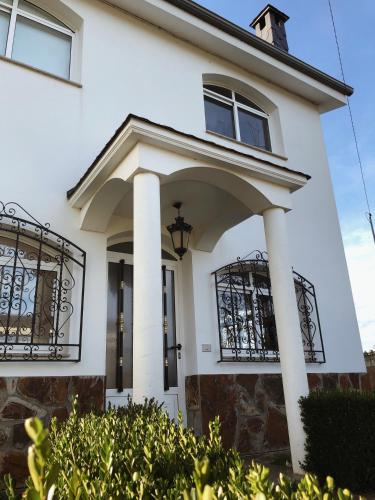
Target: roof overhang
x,y
191,22
137,130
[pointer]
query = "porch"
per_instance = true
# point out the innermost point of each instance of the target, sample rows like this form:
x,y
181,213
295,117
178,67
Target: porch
x,y
129,192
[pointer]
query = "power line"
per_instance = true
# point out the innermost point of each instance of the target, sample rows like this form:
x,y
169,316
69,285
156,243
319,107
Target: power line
x,y
369,214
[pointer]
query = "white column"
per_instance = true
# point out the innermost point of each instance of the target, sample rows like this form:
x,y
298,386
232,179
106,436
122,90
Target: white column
x,y
147,319
288,328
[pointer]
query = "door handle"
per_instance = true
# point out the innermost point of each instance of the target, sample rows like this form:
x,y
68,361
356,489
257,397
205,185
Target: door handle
x,y
177,347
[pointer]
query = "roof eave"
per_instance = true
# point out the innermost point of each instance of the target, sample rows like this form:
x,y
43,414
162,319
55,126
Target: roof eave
x,y
299,178
256,42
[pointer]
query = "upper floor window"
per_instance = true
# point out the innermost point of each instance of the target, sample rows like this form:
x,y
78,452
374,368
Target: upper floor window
x,y
32,36
233,115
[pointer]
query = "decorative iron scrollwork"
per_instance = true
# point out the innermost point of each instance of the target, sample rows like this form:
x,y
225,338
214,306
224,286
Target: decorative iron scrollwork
x,y
42,276
246,318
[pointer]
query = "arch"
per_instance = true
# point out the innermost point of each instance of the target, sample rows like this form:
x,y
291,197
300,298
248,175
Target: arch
x,y
117,238
61,11
242,88
259,98
230,199
242,190
100,208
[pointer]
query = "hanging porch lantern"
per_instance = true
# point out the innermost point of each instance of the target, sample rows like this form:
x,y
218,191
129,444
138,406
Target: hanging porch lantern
x,y
180,233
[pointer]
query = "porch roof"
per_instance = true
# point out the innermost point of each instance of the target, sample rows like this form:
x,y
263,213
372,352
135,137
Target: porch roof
x,y
129,128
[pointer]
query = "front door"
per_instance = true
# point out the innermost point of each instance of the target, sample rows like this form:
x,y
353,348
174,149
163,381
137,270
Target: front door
x,y
119,355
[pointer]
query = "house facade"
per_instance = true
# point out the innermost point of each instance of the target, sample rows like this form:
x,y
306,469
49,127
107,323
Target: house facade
x,y
111,113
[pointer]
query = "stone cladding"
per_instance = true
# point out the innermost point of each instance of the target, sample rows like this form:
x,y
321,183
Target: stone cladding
x,y
45,397
252,408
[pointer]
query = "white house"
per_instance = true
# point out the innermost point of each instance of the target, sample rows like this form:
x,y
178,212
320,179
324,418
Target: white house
x,y
113,111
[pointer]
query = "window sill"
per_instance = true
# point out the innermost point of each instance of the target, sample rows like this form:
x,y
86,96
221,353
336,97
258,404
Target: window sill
x,y
40,71
41,352
235,141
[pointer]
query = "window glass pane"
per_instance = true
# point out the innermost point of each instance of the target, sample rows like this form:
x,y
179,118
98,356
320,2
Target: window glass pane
x,y
42,47
26,303
219,90
219,117
254,129
4,26
6,2
243,100
35,11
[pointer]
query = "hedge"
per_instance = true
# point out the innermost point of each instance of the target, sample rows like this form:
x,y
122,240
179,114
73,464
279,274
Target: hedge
x,y
139,453
340,430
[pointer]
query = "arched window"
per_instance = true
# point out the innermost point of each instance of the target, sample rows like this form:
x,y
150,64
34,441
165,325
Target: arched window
x,y
231,114
32,36
41,290
247,326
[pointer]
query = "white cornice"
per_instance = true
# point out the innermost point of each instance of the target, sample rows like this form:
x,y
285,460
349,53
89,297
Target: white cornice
x,y
138,131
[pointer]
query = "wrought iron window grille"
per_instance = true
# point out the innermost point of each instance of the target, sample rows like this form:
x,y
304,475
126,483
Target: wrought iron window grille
x,y
246,320
42,279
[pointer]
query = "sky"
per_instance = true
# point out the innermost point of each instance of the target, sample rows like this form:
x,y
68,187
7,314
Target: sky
x,y
311,38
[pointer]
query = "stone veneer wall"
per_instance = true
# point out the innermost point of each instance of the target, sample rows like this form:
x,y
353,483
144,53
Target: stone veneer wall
x,y
252,408
45,397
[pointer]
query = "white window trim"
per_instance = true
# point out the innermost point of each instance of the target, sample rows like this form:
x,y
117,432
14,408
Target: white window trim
x,y
235,106
15,11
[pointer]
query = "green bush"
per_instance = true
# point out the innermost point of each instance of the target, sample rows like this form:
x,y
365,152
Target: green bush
x,y
340,430
139,453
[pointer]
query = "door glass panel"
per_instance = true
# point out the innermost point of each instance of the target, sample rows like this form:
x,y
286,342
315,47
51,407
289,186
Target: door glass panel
x,y
4,27
172,353
111,354
42,47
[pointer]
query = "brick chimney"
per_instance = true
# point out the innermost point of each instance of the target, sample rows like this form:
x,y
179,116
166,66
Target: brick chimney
x,y
269,25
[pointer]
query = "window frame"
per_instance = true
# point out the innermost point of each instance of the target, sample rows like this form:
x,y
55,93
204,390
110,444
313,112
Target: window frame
x,y
68,263
235,106
238,280
14,11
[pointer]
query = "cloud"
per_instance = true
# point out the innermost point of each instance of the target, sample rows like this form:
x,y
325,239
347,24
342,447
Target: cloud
x,y
360,255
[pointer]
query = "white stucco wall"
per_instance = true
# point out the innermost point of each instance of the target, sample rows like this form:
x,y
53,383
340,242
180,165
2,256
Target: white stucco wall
x,y
51,132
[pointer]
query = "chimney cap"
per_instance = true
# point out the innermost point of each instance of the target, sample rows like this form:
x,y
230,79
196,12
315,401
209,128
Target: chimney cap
x,y
263,12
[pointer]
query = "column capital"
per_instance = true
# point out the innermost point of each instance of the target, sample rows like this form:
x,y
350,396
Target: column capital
x,y
274,208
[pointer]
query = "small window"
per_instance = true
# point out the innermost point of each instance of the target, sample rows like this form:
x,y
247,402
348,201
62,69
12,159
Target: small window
x,y
233,115
35,37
